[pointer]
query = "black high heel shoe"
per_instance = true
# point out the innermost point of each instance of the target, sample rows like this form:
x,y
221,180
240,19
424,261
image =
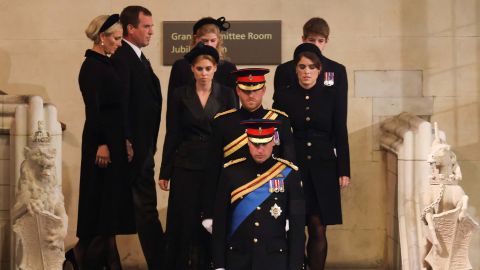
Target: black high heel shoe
x,y
70,257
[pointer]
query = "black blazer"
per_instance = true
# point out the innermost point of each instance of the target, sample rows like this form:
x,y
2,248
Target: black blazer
x,y
143,102
189,127
181,74
260,242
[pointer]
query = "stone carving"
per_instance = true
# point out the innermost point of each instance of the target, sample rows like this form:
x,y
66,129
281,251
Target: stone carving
x,y
449,227
40,220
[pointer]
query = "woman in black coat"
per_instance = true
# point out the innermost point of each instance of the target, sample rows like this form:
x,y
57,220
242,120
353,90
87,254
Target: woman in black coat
x,y
318,114
105,204
207,31
190,112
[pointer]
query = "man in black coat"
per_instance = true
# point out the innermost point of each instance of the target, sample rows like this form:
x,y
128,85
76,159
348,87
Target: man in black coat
x,y
259,209
143,106
229,140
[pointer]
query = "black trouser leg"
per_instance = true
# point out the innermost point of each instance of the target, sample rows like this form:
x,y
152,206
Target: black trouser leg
x,y
150,232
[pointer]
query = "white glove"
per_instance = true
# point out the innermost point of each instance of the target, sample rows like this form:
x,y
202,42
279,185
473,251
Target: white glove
x,y
287,225
208,224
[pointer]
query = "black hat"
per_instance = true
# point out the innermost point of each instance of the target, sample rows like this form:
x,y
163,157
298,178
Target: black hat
x,y
251,79
222,24
111,20
260,130
307,47
201,49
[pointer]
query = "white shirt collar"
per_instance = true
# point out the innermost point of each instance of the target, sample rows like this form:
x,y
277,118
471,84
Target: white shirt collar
x,y
136,49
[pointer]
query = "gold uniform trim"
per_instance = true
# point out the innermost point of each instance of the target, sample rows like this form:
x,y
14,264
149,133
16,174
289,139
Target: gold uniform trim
x,y
257,182
224,113
242,140
289,163
233,161
280,112
250,87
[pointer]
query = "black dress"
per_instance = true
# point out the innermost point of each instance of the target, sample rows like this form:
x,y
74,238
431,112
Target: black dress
x,y
319,117
105,204
181,74
184,160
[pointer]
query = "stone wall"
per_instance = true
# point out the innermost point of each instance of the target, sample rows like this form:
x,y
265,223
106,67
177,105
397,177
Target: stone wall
x,y
416,55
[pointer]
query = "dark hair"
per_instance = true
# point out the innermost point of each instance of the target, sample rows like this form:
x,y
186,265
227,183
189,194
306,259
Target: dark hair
x,y
316,26
201,49
204,56
311,56
130,15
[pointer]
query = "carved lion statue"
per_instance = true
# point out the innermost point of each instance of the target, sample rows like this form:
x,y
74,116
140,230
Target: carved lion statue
x,y
38,192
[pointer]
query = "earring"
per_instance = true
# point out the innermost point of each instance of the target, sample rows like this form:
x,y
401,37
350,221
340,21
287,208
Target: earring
x,y
102,43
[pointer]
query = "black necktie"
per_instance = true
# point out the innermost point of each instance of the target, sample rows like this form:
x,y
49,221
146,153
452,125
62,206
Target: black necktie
x,y
145,61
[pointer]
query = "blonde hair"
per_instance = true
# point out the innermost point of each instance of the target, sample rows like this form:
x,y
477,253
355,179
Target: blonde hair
x,y
95,25
211,28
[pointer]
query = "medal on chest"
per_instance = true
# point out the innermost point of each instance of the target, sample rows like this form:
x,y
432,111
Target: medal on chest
x,y
277,184
329,77
275,211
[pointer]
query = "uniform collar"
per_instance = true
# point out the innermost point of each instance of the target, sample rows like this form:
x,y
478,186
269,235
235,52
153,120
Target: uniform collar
x,y
262,167
258,113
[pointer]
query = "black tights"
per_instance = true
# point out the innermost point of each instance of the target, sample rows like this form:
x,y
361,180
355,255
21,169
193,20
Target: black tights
x,y
97,252
317,246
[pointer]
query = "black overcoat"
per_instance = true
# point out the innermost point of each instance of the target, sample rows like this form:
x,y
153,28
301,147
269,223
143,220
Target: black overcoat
x,y
181,74
227,128
319,118
143,104
105,203
261,240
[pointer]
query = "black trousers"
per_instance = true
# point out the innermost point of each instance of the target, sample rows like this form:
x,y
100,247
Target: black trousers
x,y
149,229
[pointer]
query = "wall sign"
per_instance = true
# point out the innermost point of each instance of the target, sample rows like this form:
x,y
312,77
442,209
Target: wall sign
x,y
246,42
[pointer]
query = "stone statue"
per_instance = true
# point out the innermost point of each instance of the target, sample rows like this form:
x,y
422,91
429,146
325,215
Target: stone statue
x,y
449,227
39,217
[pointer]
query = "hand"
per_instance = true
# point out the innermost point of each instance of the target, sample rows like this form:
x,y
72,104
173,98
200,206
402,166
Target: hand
x,y
344,181
208,224
103,156
163,183
129,150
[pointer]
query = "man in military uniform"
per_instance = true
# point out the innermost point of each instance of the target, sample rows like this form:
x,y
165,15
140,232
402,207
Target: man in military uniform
x,y
259,215
229,140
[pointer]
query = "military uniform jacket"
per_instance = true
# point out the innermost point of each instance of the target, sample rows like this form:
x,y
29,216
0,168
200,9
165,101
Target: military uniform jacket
x,y
261,240
226,129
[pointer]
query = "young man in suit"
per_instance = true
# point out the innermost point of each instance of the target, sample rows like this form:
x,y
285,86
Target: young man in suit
x,y
143,105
